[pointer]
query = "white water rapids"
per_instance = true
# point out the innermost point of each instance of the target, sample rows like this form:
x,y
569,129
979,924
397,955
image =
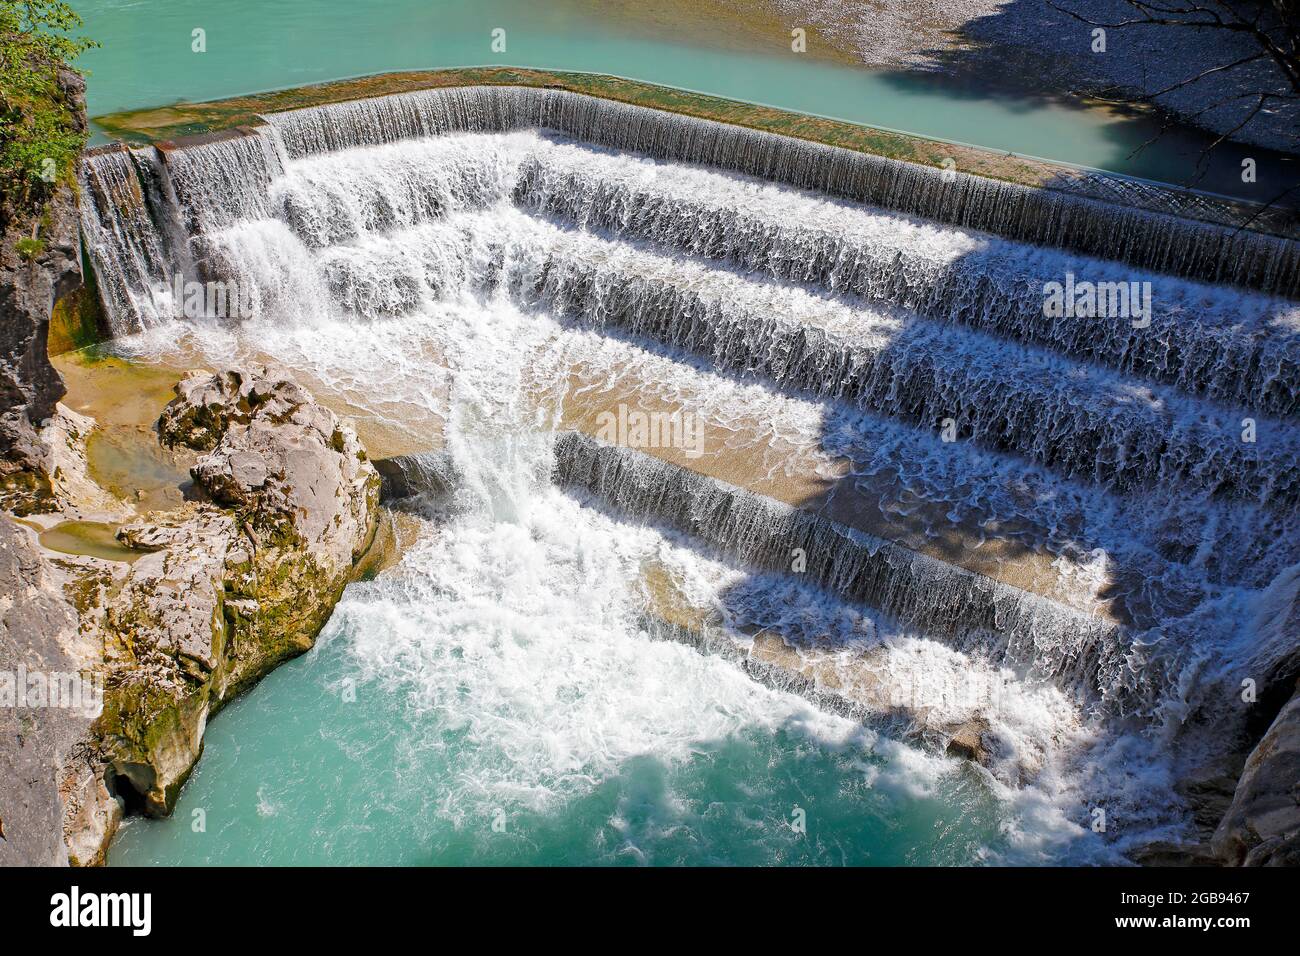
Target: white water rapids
x,y
458,288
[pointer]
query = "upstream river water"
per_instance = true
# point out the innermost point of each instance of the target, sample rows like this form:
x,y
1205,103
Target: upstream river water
x,y
147,59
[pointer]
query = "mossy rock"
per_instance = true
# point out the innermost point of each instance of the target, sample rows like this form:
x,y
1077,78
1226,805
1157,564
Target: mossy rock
x,y
27,491
29,250
77,320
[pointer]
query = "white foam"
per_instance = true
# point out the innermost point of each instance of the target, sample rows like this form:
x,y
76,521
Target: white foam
x,y
514,620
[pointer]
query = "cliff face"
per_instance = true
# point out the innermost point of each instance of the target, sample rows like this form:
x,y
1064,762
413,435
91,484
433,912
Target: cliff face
x,y
1262,826
30,284
237,585
39,633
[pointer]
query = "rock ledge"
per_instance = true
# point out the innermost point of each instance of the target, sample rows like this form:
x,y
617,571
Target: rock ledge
x,y
236,581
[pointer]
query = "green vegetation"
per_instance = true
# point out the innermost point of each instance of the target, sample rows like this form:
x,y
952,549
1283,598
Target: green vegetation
x,y
40,132
30,249
76,320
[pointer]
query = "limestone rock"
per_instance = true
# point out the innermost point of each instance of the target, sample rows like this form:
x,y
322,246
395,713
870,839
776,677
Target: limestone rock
x,y
172,595
233,586
39,634
204,407
1165,853
76,493
1208,791
970,741
223,590
303,491
29,385
1262,826
276,453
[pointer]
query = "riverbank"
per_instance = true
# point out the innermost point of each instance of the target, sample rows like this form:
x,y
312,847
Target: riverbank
x,y
251,509
1041,52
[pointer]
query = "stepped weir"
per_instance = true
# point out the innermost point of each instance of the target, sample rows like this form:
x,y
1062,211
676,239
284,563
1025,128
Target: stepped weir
x,y
892,423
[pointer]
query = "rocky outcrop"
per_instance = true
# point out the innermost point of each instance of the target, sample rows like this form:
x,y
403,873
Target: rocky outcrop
x,y
232,585
1262,825
1244,803
1169,853
971,741
40,637
215,594
40,263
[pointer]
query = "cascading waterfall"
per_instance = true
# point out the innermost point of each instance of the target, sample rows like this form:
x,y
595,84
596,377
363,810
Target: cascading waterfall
x,y
223,179
1083,421
131,254
1205,340
1116,447
1080,421
1039,217
343,196
1044,639
1235,348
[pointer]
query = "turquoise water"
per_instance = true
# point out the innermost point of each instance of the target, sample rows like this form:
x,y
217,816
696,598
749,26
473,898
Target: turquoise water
x,y
494,698
488,702
258,45
294,775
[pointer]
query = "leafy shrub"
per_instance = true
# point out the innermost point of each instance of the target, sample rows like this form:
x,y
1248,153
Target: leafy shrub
x,y
29,249
40,135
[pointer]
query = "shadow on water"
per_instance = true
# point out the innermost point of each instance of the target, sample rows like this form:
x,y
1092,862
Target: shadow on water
x,y
1026,55
1150,587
